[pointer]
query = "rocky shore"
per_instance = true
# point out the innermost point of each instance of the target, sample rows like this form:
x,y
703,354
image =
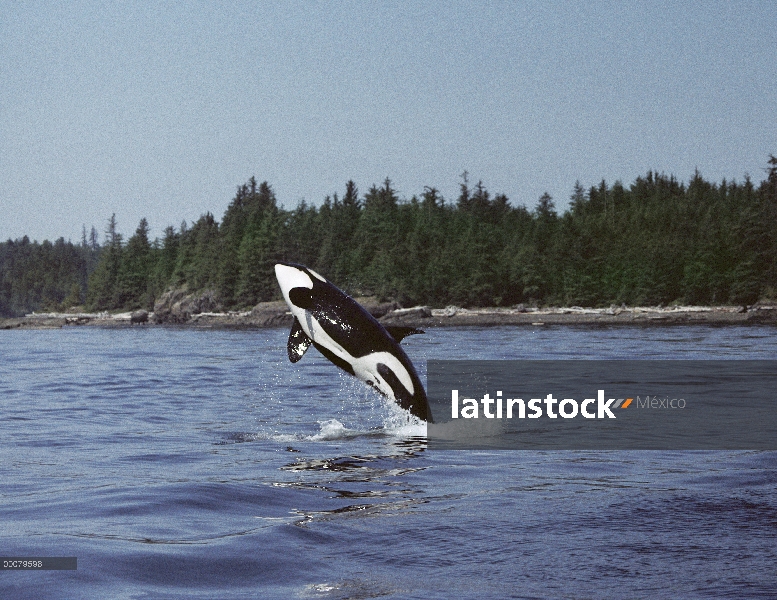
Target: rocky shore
x,y
205,314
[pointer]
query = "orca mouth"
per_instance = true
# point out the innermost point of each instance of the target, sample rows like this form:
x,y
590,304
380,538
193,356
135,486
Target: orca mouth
x,y
292,276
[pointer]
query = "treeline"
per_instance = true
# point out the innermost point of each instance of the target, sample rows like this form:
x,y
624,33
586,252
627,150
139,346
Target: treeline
x,y
655,242
35,276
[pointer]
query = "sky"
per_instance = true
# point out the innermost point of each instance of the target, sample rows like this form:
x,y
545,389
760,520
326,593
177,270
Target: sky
x,y
161,110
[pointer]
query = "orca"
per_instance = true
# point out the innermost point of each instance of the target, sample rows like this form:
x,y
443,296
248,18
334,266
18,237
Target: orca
x,y
350,337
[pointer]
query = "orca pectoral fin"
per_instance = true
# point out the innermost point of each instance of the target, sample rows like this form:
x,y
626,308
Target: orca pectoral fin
x,y
298,342
399,333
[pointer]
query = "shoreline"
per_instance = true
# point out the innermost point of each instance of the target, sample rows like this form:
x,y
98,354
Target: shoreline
x,y
276,314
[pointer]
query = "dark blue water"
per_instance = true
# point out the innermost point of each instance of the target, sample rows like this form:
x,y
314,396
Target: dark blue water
x,y
202,464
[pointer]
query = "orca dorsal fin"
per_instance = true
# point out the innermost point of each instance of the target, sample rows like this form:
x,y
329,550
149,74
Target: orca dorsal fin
x,y
298,343
399,333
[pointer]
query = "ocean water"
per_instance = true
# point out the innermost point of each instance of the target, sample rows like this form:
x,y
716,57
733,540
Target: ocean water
x,y
193,463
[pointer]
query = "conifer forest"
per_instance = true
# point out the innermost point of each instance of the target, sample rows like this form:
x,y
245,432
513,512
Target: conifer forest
x,y
656,241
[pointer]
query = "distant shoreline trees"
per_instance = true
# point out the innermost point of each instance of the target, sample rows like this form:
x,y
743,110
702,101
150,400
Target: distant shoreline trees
x,y
656,242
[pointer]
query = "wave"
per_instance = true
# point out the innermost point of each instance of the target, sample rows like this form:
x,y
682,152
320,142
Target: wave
x,y
398,425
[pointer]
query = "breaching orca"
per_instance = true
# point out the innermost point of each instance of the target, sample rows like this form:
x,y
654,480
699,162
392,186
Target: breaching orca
x,y
345,333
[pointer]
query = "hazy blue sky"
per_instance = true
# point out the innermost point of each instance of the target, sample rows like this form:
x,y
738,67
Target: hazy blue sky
x,y
161,110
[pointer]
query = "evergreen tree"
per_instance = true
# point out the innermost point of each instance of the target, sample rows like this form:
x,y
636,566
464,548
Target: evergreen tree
x,y
377,241
102,293
164,267
258,252
233,227
133,279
